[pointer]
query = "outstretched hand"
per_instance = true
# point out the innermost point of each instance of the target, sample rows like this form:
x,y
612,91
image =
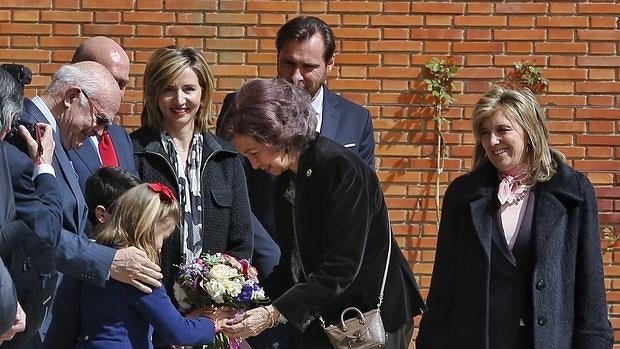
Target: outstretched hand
x,y
251,323
132,266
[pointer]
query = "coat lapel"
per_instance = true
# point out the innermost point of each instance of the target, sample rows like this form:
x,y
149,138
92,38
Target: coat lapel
x,y
88,154
331,115
482,220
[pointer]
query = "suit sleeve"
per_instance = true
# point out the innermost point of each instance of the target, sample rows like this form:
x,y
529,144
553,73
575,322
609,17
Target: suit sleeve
x,y
38,204
346,212
83,259
170,326
8,301
592,327
367,143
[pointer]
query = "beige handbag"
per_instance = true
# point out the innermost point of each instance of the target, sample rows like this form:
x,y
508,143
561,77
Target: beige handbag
x,y
365,330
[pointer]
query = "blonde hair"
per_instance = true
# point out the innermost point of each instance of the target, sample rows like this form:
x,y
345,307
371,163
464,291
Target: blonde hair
x,y
164,66
519,105
133,220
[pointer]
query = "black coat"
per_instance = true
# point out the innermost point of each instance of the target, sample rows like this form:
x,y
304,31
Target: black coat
x,y
226,225
568,303
342,233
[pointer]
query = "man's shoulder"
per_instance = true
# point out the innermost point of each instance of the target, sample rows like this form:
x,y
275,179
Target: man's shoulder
x,y
343,103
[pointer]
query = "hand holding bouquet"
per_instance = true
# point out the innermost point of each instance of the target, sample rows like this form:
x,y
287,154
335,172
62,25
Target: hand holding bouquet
x,y
218,282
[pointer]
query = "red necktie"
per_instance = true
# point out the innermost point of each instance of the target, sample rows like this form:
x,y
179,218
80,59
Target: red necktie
x,y
106,150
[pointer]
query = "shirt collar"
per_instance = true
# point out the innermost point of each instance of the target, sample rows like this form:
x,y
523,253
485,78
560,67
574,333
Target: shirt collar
x,y
45,111
317,105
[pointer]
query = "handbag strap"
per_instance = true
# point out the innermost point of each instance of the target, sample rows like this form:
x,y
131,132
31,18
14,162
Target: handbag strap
x,y
387,261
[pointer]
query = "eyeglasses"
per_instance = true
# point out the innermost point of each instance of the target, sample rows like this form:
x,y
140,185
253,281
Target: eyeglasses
x,y
100,118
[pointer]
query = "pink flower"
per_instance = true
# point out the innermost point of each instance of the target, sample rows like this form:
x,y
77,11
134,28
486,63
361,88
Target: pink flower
x,y
232,261
248,270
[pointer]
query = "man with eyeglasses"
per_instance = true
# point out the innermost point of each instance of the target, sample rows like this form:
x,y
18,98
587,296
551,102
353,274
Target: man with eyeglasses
x,y
80,102
113,146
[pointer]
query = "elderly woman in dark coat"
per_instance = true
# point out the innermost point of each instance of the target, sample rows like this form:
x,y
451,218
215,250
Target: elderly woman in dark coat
x,y
518,262
174,146
332,217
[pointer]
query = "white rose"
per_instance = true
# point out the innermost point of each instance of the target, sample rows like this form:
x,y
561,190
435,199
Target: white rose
x,y
222,272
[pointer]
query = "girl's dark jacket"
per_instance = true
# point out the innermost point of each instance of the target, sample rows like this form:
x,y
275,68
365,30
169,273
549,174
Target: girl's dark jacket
x,y
342,234
568,303
226,225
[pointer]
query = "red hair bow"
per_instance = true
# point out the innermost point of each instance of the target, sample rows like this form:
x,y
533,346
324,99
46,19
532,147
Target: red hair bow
x,y
163,190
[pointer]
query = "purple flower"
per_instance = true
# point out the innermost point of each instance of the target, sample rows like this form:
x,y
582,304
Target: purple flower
x,y
246,293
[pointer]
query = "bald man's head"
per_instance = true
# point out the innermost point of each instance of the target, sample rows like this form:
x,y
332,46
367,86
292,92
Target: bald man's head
x,y
108,53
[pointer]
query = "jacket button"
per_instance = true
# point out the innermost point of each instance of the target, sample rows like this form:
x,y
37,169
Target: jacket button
x,y
542,321
541,284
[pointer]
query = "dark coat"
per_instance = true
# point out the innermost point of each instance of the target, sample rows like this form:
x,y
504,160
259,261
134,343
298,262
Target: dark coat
x,y
568,303
342,233
226,225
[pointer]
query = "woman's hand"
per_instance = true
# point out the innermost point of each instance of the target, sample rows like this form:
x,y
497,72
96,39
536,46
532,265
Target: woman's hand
x,y
252,322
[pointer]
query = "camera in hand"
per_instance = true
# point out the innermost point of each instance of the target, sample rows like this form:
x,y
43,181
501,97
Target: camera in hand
x,y
17,140
19,72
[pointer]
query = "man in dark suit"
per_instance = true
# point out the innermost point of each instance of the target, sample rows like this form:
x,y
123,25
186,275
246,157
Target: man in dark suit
x,y
306,54
88,158
78,103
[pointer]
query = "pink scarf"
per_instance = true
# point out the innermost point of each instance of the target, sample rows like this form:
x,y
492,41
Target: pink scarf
x,y
510,190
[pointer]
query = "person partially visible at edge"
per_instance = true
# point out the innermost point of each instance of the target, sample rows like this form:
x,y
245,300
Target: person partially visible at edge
x,y
333,221
12,316
80,101
518,262
174,146
119,316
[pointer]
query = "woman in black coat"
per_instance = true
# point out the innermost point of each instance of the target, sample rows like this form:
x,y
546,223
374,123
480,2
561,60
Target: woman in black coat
x,y
518,262
174,146
331,217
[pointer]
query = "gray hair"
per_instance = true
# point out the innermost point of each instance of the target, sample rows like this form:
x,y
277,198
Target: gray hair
x,y
275,112
11,99
74,75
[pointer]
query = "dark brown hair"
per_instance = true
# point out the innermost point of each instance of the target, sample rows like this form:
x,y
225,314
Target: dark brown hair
x,y
302,28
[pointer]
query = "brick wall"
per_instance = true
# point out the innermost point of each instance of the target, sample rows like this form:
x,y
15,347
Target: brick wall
x,y
382,47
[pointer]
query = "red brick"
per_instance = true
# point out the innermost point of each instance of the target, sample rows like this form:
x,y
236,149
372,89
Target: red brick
x,y
355,20
66,29
149,4
108,4
479,8
397,7
387,20
30,28
313,6
603,22
436,7
437,34
108,29
606,8
66,16
396,33
602,48
557,47
25,4
107,17
25,16
483,47
558,7
66,4
519,8
596,113
226,18
598,87
563,21
521,21
611,61
353,6
149,43
272,6
437,20
524,35
190,30
200,5
480,21
395,45
149,30
148,17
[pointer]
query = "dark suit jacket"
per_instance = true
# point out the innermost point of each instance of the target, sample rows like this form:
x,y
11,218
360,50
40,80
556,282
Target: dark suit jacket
x,y
567,289
342,230
120,316
75,255
86,158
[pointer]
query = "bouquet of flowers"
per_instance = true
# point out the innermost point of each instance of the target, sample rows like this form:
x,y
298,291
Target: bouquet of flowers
x,y
215,281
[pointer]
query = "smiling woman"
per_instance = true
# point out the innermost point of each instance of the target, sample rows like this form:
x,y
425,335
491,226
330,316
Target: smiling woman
x,y
174,146
518,262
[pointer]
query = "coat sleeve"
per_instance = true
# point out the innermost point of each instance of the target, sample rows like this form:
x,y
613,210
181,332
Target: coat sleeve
x,y
592,328
171,327
345,212
432,333
240,236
